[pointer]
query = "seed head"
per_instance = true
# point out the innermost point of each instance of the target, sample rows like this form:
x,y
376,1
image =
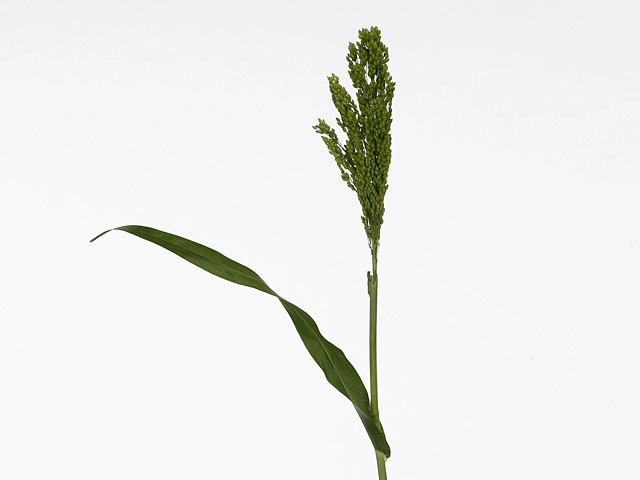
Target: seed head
x,y
364,159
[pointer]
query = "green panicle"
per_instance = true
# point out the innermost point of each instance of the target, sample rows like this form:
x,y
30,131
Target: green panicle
x,y
365,157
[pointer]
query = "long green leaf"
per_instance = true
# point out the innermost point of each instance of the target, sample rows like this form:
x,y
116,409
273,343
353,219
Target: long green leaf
x,y
338,370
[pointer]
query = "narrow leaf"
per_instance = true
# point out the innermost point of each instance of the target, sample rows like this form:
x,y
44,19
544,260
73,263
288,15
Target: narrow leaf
x,y
337,369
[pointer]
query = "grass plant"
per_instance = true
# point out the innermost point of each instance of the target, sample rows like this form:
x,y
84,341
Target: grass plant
x,y
363,160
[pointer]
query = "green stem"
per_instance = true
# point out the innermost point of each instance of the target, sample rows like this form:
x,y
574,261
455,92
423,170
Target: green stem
x,y
382,469
373,357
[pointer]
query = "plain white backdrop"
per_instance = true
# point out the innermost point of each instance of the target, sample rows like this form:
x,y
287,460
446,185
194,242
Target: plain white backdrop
x,y
510,255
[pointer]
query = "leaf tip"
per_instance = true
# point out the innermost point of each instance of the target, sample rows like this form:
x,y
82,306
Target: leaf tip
x,y
98,236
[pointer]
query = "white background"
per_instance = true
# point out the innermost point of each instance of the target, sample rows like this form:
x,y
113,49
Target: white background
x,y
510,256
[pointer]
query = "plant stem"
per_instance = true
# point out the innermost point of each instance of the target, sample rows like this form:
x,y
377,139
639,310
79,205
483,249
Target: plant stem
x,y
382,468
373,355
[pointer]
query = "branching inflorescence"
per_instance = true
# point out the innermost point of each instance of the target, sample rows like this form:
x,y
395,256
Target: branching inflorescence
x,y
364,158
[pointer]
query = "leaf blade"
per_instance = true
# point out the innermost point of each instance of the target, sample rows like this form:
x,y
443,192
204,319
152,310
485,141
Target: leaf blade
x,y
338,371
